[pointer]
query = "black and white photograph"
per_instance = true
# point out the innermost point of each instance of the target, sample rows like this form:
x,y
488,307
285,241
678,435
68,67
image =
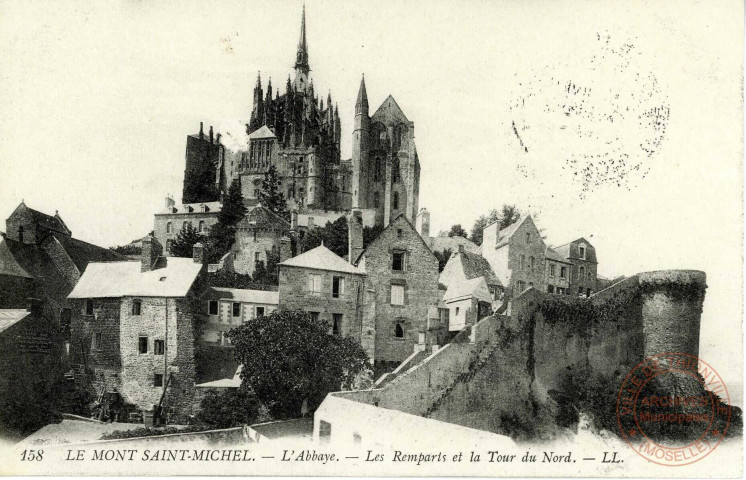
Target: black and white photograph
x,y
461,238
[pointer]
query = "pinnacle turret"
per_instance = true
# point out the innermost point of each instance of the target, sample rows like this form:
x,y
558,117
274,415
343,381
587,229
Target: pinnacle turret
x,y
301,60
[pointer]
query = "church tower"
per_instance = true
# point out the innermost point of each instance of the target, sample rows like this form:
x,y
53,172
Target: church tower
x,y
360,149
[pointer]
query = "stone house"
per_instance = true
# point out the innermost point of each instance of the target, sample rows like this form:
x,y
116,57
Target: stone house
x,y
516,254
228,308
133,327
584,266
168,223
39,258
401,288
258,235
464,265
468,301
326,286
557,272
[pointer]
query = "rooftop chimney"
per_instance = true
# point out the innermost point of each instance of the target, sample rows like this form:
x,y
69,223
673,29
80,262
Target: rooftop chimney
x,y
151,250
355,232
217,139
198,253
170,204
210,133
294,220
201,132
423,223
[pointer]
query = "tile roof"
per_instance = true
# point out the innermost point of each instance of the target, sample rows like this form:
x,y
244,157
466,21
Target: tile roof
x,y
474,287
9,317
476,266
249,296
321,258
124,279
262,132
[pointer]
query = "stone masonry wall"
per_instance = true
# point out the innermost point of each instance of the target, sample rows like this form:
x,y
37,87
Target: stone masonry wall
x,y
294,295
96,366
245,248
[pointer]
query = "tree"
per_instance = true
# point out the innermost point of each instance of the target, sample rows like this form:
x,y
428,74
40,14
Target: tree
x,y
288,358
442,258
333,234
185,240
231,408
508,215
267,275
270,195
223,233
457,231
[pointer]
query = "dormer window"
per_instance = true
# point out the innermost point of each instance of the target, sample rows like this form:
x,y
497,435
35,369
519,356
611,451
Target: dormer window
x,y
582,251
252,218
203,208
20,234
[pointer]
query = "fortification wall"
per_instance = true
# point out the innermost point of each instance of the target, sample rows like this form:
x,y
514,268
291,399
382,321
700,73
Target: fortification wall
x,y
513,369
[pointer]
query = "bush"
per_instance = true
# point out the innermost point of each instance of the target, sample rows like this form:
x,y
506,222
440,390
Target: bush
x,y
231,408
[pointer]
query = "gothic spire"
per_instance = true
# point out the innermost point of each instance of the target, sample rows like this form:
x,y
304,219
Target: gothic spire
x,y
362,98
301,61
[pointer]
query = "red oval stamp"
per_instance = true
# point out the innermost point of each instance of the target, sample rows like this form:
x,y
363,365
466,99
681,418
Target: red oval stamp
x,y
673,409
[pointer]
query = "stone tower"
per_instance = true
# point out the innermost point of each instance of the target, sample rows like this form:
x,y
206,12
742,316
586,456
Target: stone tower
x,y
360,149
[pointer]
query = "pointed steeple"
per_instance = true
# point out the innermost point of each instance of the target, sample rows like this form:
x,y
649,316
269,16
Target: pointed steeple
x,y
301,61
362,99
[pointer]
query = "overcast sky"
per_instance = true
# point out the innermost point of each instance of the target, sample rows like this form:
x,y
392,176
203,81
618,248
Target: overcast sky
x,y
513,102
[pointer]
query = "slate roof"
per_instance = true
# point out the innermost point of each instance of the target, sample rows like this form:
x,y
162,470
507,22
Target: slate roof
x,y
8,264
390,107
474,287
552,254
443,243
265,218
49,222
82,253
124,279
476,266
570,250
234,382
504,235
248,296
262,132
321,258
9,317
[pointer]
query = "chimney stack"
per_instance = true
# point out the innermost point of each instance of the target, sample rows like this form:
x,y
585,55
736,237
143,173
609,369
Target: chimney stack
x,y
210,133
151,250
201,132
355,232
34,306
198,253
217,139
294,220
286,251
423,223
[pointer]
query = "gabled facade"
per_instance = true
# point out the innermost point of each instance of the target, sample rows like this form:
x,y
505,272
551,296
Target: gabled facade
x,y
558,271
173,219
584,266
464,265
401,291
516,254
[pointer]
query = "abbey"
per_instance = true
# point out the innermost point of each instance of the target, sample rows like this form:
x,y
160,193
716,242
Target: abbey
x,y
299,133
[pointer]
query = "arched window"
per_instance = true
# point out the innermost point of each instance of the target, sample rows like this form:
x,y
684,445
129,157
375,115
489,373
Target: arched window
x,y
377,171
201,226
20,233
395,171
376,199
528,238
582,273
396,200
399,330
169,227
531,261
136,307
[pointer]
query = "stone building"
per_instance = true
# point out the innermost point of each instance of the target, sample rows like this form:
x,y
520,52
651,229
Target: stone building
x,y
468,301
327,287
172,220
557,272
228,308
401,287
258,236
584,266
39,258
516,255
441,243
299,133
464,265
133,327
